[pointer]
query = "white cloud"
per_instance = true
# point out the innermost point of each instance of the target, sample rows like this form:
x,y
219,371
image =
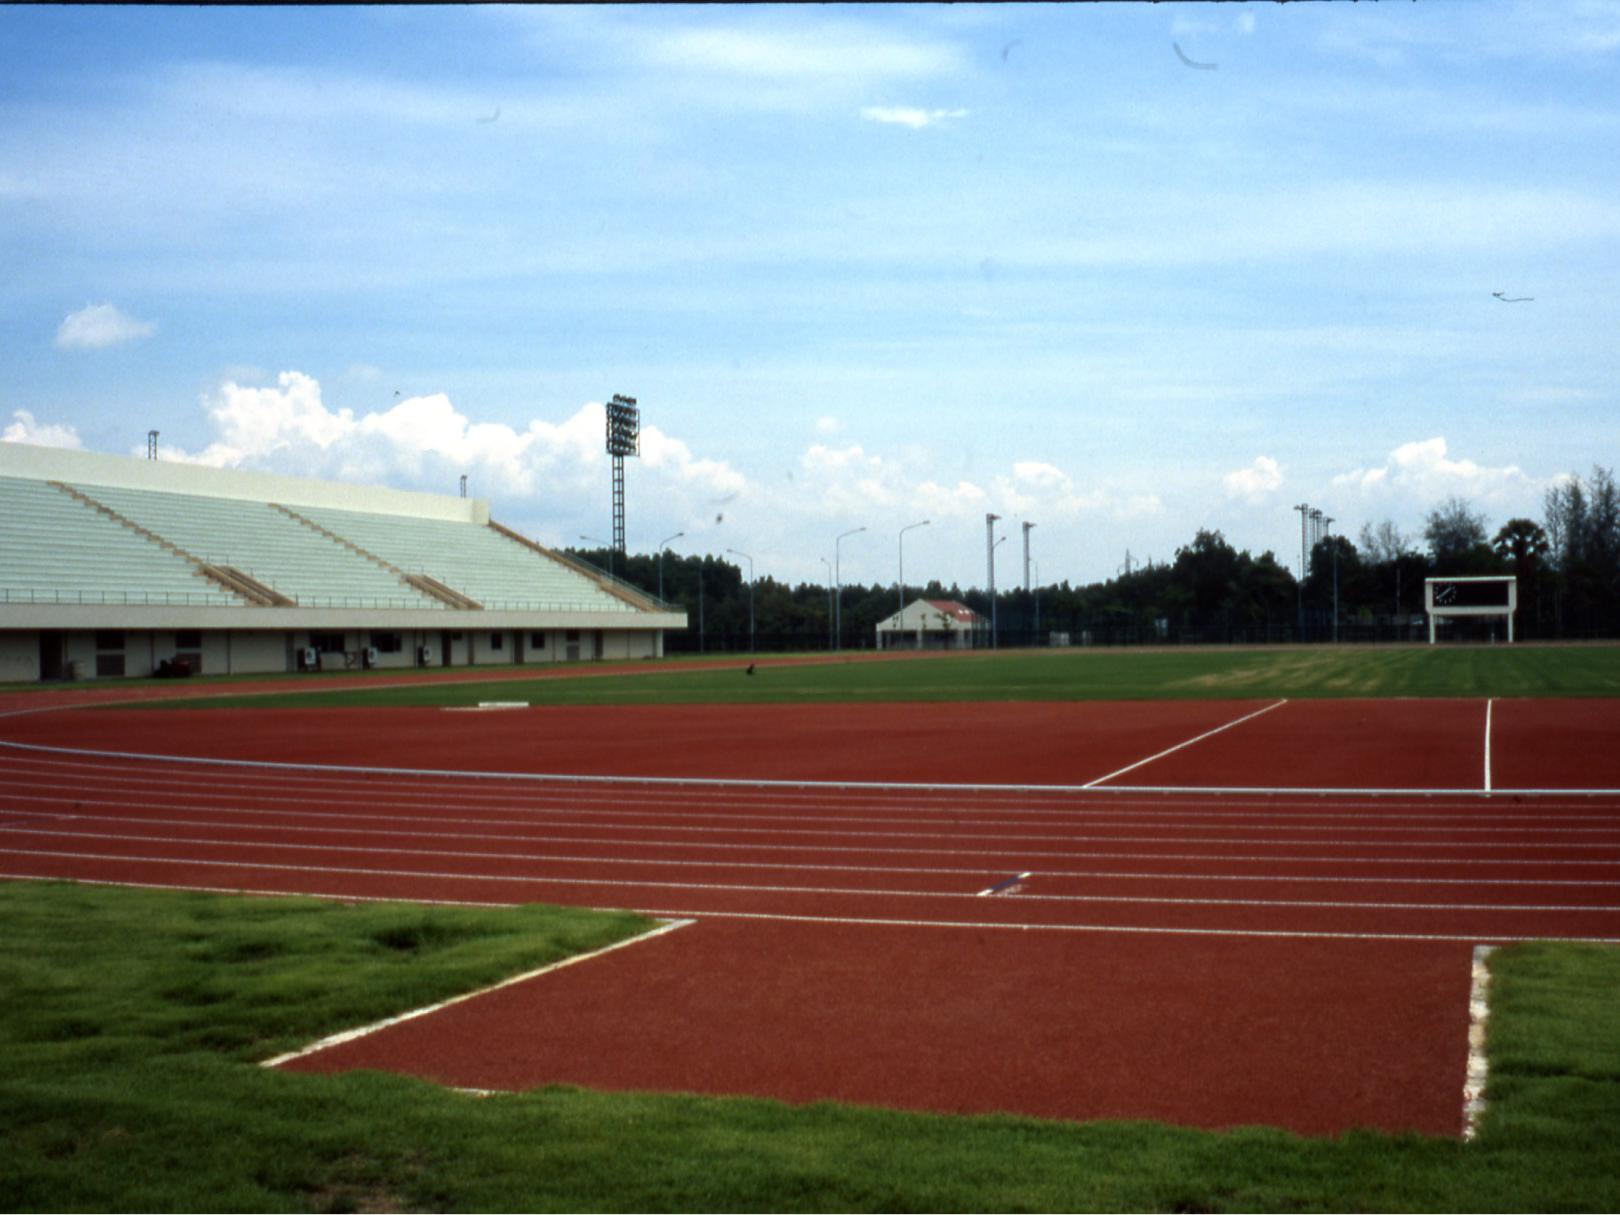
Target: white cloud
x,y
831,49
1254,482
909,116
1424,469
828,425
25,429
98,326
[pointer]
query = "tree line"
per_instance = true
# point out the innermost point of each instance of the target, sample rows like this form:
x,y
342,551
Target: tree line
x,y
1368,589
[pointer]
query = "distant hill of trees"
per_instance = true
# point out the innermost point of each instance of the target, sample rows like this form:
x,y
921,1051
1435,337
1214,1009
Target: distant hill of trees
x,y
1567,565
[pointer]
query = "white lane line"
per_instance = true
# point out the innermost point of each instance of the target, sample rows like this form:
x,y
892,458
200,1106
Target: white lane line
x,y
1463,847
715,862
1488,705
710,782
859,921
1479,1011
1005,884
351,1035
1181,745
880,892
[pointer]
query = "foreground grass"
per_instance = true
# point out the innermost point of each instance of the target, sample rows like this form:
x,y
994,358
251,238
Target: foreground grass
x,y
132,1018
1075,674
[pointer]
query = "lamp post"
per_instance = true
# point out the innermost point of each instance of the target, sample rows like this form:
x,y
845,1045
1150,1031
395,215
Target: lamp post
x,y
990,571
900,569
1037,603
1327,525
1000,540
662,544
828,564
740,553
838,583
603,544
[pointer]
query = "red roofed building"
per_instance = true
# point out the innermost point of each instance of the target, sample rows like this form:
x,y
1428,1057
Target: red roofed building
x,y
933,624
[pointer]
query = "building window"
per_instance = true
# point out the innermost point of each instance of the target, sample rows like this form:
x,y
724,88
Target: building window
x,y
109,639
572,637
327,643
497,641
188,639
388,643
537,641
108,665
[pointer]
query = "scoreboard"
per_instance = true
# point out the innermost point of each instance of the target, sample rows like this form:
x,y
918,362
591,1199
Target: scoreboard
x,y
1490,595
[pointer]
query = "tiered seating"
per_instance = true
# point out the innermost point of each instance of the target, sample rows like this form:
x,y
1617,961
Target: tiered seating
x,y
478,561
55,549
266,544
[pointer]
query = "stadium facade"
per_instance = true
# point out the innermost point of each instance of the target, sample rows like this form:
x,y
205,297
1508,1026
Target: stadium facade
x,y
117,567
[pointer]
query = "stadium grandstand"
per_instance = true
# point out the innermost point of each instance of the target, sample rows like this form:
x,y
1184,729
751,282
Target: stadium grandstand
x,y
117,567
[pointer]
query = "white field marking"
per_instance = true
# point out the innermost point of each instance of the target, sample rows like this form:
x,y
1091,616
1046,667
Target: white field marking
x,y
1090,814
70,794
715,782
1183,745
834,831
363,1031
1106,929
1488,705
852,921
552,859
33,828
1079,801
760,888
1008,884
713,862
484,706
1479,1011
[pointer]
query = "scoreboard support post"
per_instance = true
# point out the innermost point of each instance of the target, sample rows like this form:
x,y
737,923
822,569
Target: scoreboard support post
x,y
1484,595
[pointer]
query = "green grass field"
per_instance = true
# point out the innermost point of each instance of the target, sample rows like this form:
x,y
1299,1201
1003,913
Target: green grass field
x,y
1112,674
133,1020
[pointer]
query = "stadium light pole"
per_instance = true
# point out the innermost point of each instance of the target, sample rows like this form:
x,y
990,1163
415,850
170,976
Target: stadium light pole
x,y
900,568
1304,510
828,564
604,544
750,560
838,582
662,545
1327,530
1037,603
990,569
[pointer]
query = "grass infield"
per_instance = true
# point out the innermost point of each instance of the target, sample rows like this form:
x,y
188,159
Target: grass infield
x,y
1073,674
133,1019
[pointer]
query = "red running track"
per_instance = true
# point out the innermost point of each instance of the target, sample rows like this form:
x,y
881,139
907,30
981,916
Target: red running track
x,y
1205,958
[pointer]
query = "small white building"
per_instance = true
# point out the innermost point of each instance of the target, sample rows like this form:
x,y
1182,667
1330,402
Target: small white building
x,y
933,624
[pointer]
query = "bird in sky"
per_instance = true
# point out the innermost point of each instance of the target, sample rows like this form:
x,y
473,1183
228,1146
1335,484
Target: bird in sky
x,y
1517,299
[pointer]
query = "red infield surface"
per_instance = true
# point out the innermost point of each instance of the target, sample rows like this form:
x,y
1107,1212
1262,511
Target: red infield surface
x,y
1208,913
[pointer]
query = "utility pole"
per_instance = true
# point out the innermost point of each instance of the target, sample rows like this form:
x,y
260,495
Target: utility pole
x,y
1304,514
990,563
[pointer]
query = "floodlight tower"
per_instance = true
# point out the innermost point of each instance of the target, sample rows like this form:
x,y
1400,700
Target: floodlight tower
x,y
990,569
1027,526
623,439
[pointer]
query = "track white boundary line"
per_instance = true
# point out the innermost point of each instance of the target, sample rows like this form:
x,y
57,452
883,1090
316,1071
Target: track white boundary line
x,y
542,879
351,1035
1488,705
847,921
35,827
712,782
1479,1011
1181,745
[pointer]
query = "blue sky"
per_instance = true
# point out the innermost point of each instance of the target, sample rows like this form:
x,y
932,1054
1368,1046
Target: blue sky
x,y
1124,271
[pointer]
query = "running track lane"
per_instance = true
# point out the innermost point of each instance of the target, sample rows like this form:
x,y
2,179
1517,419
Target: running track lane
x,y
1037,981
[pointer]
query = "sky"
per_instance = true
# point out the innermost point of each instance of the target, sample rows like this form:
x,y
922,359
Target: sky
x,y
1123,272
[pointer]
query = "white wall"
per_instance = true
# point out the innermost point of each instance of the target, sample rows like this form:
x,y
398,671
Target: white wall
x,y
19,656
